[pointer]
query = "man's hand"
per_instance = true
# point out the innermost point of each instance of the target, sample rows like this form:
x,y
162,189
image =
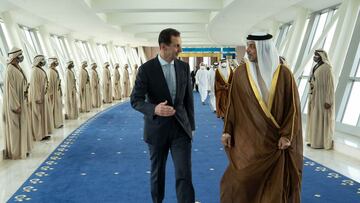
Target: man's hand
x,y
284,143
327,106
225,87
242,61
17,111
39,102
226,140
164,110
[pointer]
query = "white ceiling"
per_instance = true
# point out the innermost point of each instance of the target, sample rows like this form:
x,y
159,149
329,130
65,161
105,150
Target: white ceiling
x,y
138,22
144,18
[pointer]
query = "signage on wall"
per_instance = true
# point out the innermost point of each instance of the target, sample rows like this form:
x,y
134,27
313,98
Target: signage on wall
x,y
227,52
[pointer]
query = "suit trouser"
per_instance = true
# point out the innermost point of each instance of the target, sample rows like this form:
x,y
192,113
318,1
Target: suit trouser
x,y
179,144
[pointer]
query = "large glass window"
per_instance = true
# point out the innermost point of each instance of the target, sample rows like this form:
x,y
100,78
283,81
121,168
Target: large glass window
x,y
352,110
4,49
319,27
3,41
83,48
142,55
281,38
61,49
132,56
104,53
120,52
32,42
60,46
136,56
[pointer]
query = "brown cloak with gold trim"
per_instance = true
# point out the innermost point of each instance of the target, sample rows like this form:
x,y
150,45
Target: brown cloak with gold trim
x,y
222,87
258,171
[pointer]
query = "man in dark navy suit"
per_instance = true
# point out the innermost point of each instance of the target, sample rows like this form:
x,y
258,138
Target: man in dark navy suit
x,y
163,93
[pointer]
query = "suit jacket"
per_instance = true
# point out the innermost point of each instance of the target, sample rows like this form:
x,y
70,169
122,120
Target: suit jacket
x,y
151,88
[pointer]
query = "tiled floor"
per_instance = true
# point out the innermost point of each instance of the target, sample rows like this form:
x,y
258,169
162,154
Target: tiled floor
x,y
344,164
14,173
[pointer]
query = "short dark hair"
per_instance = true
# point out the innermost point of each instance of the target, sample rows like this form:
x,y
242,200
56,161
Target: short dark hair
x,y
165,35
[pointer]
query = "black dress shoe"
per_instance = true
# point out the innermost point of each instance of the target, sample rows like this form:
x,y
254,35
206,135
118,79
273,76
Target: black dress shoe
x,y
46,138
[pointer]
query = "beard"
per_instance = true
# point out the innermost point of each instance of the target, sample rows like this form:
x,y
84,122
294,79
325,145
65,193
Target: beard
x,y
252,58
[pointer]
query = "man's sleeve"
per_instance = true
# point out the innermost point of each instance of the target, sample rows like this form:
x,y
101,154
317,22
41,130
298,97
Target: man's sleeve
x,y
229,119
138,94
189,100
291,125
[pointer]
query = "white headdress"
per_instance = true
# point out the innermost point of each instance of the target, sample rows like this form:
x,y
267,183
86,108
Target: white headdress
x,y
52,60
38,59
13,54
323,55
267,56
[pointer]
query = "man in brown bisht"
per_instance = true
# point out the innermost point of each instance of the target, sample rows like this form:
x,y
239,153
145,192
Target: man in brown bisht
x,y
320,126
262,130
85,89
107,90
72,111
126,81
223,78
117,83
95,87
55,94
38,98
17,129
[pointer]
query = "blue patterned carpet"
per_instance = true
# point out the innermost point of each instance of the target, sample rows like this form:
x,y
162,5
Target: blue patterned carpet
x,y
106,160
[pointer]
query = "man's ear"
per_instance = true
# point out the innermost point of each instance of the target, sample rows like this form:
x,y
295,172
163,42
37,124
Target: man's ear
x,y
162,46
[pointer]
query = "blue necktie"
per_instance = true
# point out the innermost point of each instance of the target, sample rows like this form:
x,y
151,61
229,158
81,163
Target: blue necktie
x,y
170,81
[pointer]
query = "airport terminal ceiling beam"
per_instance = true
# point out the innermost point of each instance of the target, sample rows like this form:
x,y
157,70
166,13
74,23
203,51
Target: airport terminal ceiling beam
x,y
141,28
183,34
188,39
158,18
157,5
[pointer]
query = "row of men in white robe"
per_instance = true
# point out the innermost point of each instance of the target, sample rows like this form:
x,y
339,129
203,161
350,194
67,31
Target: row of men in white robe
x,y
89,88
31,111
205,80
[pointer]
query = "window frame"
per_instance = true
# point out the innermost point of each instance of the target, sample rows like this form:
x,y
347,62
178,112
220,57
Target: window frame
x,y
4,49
284,30
31,38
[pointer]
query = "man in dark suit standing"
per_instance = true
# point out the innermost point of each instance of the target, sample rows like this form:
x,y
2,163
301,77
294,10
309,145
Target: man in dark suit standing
x,y
163,93
193,80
